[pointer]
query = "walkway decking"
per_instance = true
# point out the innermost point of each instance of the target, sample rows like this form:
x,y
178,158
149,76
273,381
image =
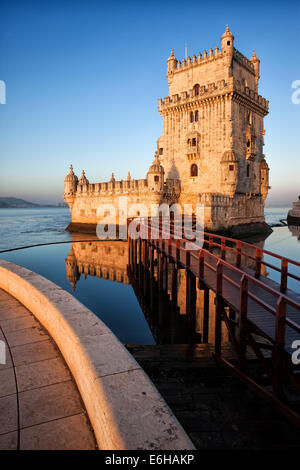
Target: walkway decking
x,y
40,406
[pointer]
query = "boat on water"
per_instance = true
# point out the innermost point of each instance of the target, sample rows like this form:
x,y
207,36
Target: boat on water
x,y
293,217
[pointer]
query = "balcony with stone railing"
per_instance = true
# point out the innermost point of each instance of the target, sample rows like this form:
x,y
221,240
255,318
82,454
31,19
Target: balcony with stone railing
x,y
212,90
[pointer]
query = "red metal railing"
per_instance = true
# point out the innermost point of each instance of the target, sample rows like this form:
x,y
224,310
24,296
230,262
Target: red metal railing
x,y
249,287
237,248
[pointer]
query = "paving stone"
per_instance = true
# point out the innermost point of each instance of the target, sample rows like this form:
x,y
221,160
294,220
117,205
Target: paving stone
x,y
44,404
12,309
49,401
33,352
61,434
29,335
8,414
42,373
9,441
7,382
15,324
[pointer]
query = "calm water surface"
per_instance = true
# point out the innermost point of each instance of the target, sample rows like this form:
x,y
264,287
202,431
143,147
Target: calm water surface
x,y
96,273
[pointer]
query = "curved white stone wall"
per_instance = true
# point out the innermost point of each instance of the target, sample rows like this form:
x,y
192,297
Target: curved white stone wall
x,y
124,407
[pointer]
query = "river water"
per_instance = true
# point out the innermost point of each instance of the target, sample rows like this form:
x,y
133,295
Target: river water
x,y
96,272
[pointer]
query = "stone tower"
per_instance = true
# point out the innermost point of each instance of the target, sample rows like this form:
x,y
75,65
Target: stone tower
x,y
213,133
210,151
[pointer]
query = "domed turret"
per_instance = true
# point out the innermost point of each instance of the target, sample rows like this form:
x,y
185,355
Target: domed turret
x,y
83,179
70,183
255,61
227,40
171,63
155,175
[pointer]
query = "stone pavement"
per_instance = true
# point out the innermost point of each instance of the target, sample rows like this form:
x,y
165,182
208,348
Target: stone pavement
x,y
40,406
215,409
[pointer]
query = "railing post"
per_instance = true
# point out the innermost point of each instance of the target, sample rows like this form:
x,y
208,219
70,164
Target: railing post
x,y
219,309
238,255
170,246
151,256
187,258
134,249
129,250
160,270
284,274
243,323
258,262
201,264
145,253
174,284
191,298
278,352
140,250
178,250
223,248
210,242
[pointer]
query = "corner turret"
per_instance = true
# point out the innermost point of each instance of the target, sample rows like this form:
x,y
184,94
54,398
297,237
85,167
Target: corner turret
x,y
227,45
155,175
83,180
70,183
227,41
171,64
255,61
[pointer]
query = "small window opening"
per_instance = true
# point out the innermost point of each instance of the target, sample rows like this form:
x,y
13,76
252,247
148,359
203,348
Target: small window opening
x,y
194,170
196,116
228,43
191,117
231,167
248,171
156,178
161,151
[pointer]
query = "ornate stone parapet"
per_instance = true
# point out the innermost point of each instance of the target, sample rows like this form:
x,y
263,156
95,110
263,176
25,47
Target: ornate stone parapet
x,y
213,90
239,57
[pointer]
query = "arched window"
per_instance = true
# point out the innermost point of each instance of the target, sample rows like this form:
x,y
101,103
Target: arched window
x,y
191,116
197,116
196,89
194,142
194,170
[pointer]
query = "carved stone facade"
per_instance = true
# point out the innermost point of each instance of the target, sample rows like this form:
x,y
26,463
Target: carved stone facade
x,y
211,149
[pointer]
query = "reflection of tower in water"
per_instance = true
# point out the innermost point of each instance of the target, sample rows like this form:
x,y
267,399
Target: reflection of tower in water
x,y
103,259
169,322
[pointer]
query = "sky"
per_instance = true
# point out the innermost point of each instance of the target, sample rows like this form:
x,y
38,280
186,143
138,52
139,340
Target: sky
x,y
83,78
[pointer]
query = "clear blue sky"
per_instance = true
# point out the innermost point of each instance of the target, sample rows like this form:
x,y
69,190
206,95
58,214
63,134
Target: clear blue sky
x,y
83,79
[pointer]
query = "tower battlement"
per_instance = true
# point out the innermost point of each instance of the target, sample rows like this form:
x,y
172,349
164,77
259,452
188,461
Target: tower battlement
x,y
213,90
